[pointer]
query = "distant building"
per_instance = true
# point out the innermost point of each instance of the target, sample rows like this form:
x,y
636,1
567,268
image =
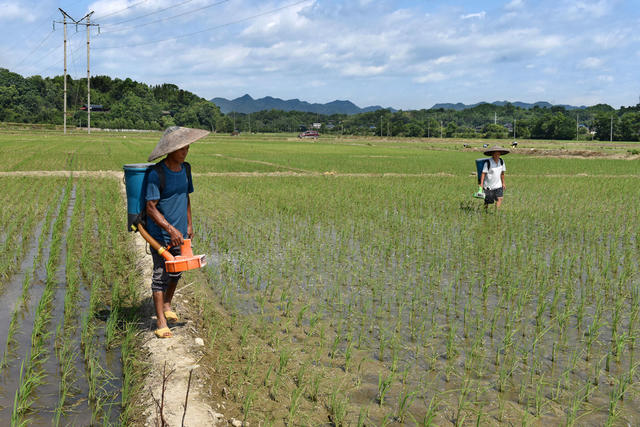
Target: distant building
x,y
95,107
316,125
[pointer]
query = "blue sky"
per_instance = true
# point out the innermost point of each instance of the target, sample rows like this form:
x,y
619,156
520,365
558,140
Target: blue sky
x,y
402,54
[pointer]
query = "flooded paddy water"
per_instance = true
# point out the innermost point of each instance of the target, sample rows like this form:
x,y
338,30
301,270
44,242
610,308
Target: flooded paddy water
x,y
60,359
425,313
375,295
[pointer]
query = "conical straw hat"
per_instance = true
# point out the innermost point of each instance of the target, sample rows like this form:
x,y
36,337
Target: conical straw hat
x,y
490,151
175,138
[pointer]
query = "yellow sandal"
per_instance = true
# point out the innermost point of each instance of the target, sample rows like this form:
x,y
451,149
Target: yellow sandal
x,y
163,333
171,316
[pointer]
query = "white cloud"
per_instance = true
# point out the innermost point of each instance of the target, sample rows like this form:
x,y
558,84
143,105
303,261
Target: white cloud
x,y
612,38
338,49
537,89
478,15
590,63
431,78
444,59
16,11
588,9
108,7
514,4
605,78
358,70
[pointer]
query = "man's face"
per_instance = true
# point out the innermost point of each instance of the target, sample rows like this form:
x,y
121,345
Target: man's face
x,y
179,155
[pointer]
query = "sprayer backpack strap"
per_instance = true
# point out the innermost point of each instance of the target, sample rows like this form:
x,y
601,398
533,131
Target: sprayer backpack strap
x,y
162,180
489,163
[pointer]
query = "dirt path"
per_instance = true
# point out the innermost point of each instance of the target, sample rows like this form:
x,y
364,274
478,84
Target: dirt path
x,y
178,356
65,173
262,162
118,174
173,358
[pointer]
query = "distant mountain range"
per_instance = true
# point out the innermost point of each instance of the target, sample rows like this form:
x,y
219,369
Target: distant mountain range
x,y
246,104
460,106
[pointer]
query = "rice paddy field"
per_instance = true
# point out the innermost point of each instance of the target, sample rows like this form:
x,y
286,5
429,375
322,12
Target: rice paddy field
x,y
350,281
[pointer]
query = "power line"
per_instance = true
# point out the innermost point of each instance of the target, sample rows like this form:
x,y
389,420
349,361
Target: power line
x,y
208,29
35,49
148,14
57,62
167,18
122,10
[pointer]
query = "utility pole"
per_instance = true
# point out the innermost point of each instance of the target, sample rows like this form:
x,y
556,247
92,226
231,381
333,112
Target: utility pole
x,y
88,75
495,118
440,129
577,126
88,24
64,110
611,130
380,126
515,121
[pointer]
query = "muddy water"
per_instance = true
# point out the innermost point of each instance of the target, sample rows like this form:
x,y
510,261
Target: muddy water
x,y
26,313
46,397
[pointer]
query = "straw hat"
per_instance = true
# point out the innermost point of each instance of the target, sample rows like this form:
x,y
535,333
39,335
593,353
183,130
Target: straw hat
x,y
491,150
174,138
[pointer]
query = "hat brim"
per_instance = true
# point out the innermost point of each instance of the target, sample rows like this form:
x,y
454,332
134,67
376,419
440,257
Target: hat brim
x,y
502,152
174,139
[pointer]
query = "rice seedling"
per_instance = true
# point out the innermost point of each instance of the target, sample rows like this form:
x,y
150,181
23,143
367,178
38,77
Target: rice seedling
x,y
538,300
384,384
338,406
294,405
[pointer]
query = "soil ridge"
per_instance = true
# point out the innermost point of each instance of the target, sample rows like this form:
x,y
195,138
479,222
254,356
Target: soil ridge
x,y
173,358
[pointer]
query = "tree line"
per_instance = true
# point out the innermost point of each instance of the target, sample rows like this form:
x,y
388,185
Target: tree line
x,y
600,122
127,104
132,105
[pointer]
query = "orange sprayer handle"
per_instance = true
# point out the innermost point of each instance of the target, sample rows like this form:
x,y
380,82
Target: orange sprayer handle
x,y
153,242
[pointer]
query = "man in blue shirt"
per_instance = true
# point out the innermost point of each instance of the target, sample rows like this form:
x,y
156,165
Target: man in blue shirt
x,y
169,209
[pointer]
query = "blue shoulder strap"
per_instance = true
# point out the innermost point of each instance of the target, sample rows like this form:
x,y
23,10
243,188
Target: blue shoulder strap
x,y
161,177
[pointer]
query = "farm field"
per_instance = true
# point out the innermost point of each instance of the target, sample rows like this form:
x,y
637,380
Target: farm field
x,y
352,282
67,315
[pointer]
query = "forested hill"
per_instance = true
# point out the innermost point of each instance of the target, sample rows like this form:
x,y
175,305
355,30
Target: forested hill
x,y
246,104
126,104
117,104
542,104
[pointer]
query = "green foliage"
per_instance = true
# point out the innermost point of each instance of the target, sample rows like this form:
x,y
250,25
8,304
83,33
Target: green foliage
x,y
131,105
134,105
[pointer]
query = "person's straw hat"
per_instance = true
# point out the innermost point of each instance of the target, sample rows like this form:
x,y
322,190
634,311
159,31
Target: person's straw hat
x,y
174,138
495,148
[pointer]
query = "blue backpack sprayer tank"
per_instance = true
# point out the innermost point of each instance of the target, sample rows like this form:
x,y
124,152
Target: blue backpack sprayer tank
x,y
479,167
135,177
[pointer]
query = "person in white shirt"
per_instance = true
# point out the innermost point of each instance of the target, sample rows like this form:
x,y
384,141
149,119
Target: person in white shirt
x,y
492,179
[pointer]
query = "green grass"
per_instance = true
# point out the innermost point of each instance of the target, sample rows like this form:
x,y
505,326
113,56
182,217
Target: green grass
x,y
357,297
25,151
